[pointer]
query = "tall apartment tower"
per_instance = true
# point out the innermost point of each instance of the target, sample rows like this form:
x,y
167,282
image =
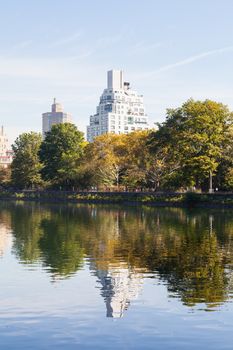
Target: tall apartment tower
x,y
56,116
6,155
120,110
3,142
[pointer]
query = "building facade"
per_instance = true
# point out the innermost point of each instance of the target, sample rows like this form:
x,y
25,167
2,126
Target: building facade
x,y
120,110
6,155
56,116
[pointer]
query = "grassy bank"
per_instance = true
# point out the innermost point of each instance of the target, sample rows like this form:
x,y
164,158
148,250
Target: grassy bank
x,y
130,198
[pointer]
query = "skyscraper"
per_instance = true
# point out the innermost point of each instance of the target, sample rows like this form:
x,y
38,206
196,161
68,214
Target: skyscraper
x,y
3,142
6,155
120,110
56,116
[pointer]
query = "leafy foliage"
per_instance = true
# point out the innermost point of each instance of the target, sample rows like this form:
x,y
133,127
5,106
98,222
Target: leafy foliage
x,y
60,154
190,150
107,154
192,141
26,165
5,176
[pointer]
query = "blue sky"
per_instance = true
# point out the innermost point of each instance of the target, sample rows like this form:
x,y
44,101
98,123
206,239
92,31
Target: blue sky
x,y
170,50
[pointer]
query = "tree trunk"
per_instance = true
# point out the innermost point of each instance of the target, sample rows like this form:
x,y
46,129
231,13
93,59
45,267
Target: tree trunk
x,y
210,183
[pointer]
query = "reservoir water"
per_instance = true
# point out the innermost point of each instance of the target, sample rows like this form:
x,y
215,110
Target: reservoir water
x,y
109,277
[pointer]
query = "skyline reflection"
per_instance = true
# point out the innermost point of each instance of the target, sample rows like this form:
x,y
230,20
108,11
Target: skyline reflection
x,y
190,252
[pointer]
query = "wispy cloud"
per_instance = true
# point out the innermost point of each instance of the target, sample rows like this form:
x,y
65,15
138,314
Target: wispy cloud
x,y
27,68
66,40
82,55
85,51
141,48
188,60
61,72
106,41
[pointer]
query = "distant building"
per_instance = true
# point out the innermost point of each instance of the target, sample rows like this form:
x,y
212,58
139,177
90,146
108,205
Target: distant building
x,y
6,155
3,142
120,110
56,116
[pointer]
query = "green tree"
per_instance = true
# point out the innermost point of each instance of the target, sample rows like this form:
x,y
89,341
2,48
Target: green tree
x,y
26,165
224,176
118,160
61,153
194,136
5,175
162,165
107,157
136,160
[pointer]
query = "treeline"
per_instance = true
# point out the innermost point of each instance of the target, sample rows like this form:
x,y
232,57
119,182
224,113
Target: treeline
x,y
192,149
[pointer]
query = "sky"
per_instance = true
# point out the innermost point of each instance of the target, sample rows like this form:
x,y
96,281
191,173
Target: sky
x,y
170,50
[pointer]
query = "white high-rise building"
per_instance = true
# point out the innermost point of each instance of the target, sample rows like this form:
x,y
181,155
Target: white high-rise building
x,y
56,116
3,142
120,111
6,155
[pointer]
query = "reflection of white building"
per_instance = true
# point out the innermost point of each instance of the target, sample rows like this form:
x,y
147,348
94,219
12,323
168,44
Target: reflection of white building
x,y
5,239
120,285
120,111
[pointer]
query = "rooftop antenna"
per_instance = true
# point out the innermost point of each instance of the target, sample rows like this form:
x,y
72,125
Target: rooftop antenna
x,y
54,100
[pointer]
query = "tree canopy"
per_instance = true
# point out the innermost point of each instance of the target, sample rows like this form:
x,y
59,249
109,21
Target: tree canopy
x,y
60,154
26,165
194,137
193,148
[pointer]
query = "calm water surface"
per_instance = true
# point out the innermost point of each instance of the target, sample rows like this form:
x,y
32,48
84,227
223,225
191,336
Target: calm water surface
x,y
101,277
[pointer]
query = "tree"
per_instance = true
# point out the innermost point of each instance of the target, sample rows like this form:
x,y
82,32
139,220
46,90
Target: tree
x,y
60,153
26,165
107,157
194,136
224,176
118,160
162,165
5,175
136,160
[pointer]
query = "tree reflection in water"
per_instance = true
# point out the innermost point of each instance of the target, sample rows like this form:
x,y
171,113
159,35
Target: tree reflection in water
x,y
191,252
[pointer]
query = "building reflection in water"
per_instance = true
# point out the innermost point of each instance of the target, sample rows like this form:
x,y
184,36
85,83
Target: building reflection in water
x,y
5,231
191,252
5,238
119,286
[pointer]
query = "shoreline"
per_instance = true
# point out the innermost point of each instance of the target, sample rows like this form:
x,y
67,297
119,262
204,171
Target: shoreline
x,y
152,199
